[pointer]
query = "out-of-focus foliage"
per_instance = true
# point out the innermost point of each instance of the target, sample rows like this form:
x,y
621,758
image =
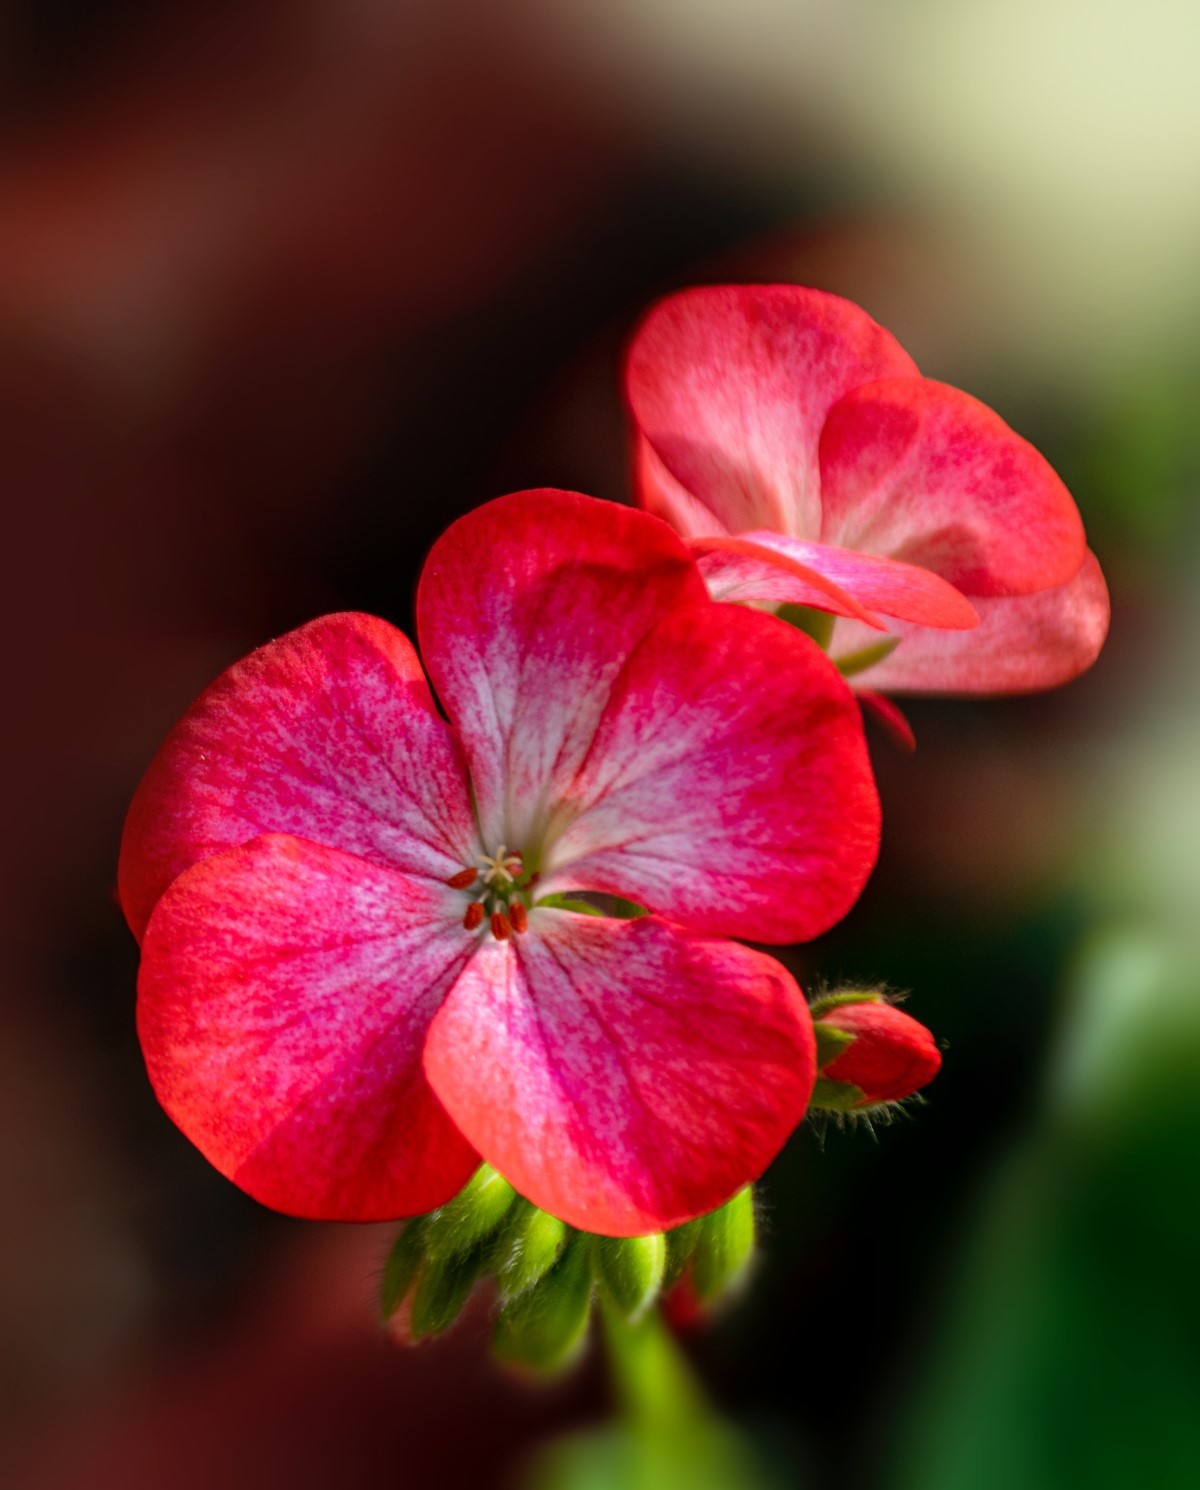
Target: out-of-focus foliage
x,y
667,1437
1070,1357
1069,1354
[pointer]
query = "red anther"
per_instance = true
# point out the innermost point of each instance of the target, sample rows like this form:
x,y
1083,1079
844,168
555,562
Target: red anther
x,y
501,928
518,915
474,917
463,878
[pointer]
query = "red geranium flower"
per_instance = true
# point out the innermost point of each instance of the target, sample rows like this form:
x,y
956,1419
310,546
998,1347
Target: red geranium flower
x,y
794,444
357,975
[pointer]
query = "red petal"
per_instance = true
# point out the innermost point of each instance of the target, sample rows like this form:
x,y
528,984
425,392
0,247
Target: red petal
x,y
728,787
889,715
528,608
1021,645
729,385
891,1056
927,474
283,1003
736,569
329,733
623,1075
884,585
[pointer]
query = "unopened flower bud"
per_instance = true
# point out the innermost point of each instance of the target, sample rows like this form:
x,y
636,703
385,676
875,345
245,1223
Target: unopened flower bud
x,y
544,1329
869,1052
443,1287
724,1249
474,1213
401,1269
532,1243
631,1270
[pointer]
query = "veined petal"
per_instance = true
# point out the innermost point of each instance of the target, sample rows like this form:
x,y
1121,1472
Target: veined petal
x,y
659,493
623,1075
527,610
736,569
283,1002
885,585
1022,644
729,385
329,733
926,473
728,787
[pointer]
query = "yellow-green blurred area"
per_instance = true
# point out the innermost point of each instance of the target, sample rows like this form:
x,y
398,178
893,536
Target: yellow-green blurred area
x,y
287,285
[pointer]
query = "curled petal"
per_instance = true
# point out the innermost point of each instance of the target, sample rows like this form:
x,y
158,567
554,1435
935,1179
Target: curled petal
x,y
284,998
903,591
528,609
737,569
729,386
888,714
623,1075
329,733
1022,644
927,474
728,787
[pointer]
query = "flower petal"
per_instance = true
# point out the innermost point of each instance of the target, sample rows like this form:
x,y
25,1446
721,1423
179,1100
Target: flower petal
x,y
1022,644
623,1075
527,610
729,385
888,714
737,569
925,473
329,733
283,1002
728,787
893,589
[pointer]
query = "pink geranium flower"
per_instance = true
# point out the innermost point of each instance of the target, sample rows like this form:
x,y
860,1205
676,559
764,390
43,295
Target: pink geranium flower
x,y
794,444
357,975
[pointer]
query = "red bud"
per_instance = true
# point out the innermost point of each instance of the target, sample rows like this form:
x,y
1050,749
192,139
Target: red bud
x,y
878,1049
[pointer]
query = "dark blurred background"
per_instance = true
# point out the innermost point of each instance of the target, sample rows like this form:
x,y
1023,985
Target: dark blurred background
x,y
287,285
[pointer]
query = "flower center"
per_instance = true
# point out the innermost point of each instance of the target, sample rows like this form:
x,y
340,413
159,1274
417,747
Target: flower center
x,y
496,893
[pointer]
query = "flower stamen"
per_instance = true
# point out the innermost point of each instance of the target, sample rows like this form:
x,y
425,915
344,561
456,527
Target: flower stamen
x,y
463,879
501,869
518,915
501,926
473,919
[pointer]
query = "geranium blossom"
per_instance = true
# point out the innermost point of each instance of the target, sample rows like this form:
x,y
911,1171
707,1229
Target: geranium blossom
x,y
794,444
357,975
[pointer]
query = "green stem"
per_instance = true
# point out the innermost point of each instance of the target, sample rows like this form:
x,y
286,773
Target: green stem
x,y
654,1385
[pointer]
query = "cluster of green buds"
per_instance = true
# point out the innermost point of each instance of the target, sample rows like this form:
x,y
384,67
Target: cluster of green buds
x,y
547,1277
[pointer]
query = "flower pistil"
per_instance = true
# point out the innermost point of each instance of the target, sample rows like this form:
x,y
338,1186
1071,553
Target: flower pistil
x,y
497,896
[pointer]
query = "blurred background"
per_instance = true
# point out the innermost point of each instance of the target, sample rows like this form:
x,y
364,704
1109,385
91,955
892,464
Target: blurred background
x,y
287,285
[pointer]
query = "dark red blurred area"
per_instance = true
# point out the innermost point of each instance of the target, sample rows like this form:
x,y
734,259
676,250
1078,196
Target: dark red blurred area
x,y
245,252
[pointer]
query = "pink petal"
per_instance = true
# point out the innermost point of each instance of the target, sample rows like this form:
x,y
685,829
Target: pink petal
x,y
624,1076
329,733
283,1002
728,787
730,384
528,609
884,585
1021,645
736,569
927,474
